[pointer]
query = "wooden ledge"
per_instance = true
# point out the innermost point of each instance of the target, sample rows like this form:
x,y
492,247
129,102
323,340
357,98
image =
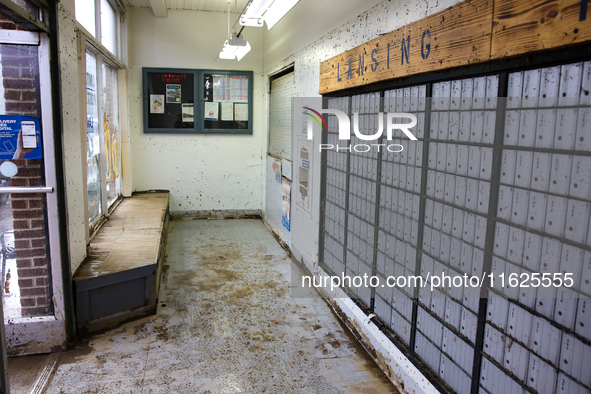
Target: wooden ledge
x,y
129,239
120,278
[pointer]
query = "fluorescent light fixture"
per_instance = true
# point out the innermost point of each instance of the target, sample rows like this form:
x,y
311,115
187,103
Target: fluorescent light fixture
x,y
242,51
270,11
236,47
227,52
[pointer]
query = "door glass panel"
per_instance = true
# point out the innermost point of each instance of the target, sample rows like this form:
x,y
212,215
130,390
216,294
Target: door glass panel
x,y
24,255
111,132
93,149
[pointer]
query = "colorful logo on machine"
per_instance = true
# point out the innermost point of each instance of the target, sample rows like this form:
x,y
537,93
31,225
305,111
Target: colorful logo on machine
x,y
394,121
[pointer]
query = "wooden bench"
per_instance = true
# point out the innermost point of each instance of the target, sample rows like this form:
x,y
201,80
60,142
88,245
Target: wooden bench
x,y
120,278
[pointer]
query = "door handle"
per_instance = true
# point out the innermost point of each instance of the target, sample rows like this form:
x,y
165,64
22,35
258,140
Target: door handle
x,y
40,189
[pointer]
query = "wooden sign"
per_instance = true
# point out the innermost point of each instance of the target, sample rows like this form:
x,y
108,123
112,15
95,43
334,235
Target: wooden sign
x,y
455,36
524,26
470,32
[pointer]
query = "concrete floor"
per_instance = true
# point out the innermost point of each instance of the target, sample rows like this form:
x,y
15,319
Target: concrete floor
x,y
226,323
23,372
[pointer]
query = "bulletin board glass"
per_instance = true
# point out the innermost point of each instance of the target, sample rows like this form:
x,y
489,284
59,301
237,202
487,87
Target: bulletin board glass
x,y
170,100
197,101
226,100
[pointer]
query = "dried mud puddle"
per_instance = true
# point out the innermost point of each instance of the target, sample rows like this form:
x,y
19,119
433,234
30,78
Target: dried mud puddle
x,y
231,316
225,321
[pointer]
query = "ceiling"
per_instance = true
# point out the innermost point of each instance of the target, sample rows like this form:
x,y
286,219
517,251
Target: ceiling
x,y
192,5
284,39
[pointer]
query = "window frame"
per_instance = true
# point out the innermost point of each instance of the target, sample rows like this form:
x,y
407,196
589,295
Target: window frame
x,y
99,25
93,222
97,36
93,44
105,207
89,43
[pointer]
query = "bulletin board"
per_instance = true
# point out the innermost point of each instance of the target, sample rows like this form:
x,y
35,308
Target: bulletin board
x,y
180,101
226,98
170,100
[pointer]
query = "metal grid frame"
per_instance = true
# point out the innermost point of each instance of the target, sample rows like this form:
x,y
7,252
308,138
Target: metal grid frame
x,y
434,325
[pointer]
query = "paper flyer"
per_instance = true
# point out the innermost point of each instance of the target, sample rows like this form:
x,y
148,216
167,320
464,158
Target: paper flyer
x,y
241,112
173,94
277,170
211,111
156,103
286,204
227,111
27,128
188,112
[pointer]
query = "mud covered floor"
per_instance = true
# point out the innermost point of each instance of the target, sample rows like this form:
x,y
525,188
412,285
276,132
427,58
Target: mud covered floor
x,y
226,323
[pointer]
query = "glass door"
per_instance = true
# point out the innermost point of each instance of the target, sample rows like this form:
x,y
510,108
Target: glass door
x,y
31,281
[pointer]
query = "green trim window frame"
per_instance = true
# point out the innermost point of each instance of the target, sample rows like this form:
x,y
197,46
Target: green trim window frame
x,y
190,101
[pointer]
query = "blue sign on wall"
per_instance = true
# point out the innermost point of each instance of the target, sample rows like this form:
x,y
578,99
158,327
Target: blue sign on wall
x,y
20,137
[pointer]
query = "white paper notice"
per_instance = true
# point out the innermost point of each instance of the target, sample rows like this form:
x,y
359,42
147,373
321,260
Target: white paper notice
x,y
211,111
188,112
241,112
227,111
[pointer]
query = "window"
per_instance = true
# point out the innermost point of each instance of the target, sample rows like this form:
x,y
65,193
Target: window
x,y
99,18
86,15
103,153
108,26
111,137
93,140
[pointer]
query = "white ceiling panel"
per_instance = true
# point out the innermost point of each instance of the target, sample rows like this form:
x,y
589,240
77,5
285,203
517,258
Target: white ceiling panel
x,y
195,5
138,3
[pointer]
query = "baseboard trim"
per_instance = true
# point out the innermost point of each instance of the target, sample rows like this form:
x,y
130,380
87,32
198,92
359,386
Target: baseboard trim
x,y
217,214
277,233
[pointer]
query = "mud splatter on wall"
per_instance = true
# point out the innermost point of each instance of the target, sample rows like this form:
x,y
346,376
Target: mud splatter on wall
x,y
202,172
74,155
306,56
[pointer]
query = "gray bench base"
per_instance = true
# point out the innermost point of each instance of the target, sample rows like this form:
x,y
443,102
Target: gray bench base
x,y
108,293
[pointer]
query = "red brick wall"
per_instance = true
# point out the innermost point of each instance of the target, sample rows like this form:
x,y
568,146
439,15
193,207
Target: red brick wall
x,y
30,241
19,71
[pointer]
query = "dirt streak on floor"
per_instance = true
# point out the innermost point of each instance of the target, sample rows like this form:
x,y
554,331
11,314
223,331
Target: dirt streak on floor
x,y
226,323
